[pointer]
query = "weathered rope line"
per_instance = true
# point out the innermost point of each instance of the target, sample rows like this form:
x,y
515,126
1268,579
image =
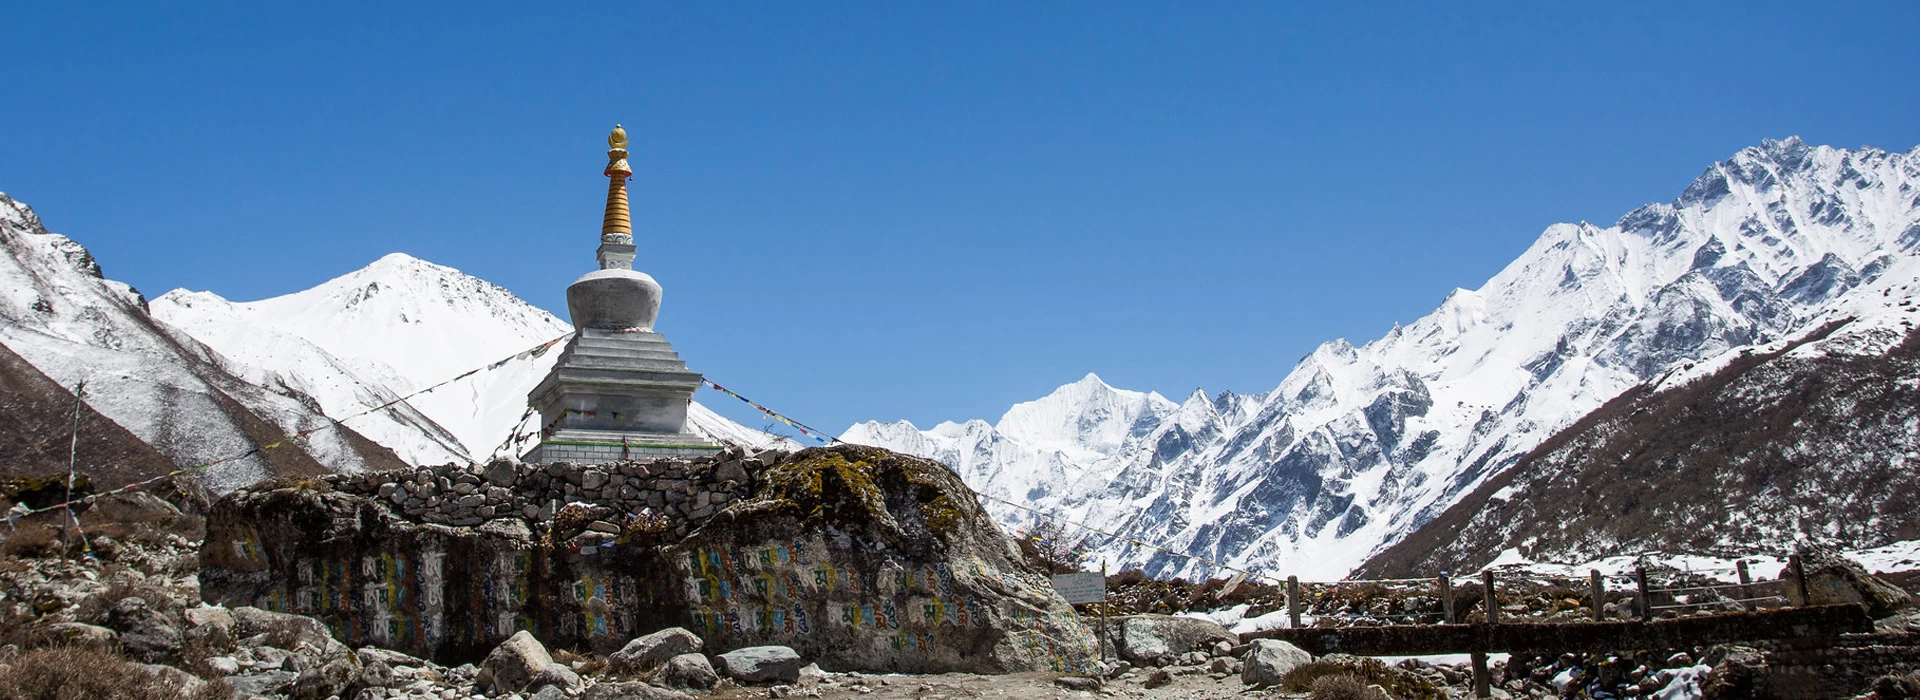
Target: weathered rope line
x,y
817,434
73,462
532,352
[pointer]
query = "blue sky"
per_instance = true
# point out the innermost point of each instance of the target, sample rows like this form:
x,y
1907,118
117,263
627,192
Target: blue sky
x,y
918,210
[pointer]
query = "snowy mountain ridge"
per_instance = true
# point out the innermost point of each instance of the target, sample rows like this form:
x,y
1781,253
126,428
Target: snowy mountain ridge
x,y
395,326
60,314
1357,446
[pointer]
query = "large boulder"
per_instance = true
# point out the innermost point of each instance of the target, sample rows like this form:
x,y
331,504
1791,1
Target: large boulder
x,y
327,680
1160,640
688,671
1834,579
283,630
1267,661
145,633
514,664
648,652
762,664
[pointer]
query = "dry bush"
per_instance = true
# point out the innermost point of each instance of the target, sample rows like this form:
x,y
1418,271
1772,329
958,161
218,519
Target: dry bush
x,y
1050,547
72,673
1343,686
570,520
589,664
1368,672
31,541
95,608
292,481
21,630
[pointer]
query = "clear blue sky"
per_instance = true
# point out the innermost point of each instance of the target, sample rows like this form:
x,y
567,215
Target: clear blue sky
x,y
916,210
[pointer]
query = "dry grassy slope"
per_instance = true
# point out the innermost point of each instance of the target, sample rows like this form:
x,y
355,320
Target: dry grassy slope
x,y
1767,450
38,420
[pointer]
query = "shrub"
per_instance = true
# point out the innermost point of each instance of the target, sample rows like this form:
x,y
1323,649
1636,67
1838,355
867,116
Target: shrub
x,y
1368,671
32,542
95,608
72,673
1344,686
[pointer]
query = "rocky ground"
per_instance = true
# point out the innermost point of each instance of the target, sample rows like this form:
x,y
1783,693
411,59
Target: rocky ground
x,y
118,615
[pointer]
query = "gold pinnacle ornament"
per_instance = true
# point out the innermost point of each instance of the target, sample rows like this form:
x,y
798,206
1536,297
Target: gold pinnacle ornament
x,y
617,220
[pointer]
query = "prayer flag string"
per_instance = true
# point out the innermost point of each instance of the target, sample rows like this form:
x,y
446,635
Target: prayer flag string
x,y
817,434
294,437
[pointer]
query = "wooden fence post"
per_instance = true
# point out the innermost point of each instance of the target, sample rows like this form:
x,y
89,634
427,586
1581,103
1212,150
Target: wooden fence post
x,y
1105,603
1645,601
1482,678
1446,599
1597,594
1746,585
1293,601
1493,601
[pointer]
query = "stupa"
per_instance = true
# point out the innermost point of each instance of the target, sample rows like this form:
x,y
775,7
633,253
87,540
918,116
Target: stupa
x,y
618,390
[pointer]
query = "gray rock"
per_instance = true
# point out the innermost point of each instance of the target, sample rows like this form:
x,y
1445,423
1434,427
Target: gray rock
x,y
513,664
284,630
1738,672
268,683
375,673
145,633
1158,678
326,680
1193,658
1268,660
1158,640
1223,648
632,690
1118,668
1080,683
557,675
81,634
552,692
501,473
688,671
1222,664
187,683
224,665
761,664
647,652
1833,579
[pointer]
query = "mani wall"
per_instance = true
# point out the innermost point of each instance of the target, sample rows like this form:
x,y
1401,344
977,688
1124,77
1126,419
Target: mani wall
x,y
858,558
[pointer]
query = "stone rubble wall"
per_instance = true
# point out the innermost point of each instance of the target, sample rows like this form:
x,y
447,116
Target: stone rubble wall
x,y
685,491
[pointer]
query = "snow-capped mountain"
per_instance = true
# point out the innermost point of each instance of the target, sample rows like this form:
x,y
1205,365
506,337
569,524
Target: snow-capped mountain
x,y
395,326
1358,446
74,326
392,327
1806,438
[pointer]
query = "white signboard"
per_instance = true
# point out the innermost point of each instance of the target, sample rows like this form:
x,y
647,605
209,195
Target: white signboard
x,y
1081,588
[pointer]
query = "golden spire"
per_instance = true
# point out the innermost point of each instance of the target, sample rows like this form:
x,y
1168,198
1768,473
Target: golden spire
x,y
617,219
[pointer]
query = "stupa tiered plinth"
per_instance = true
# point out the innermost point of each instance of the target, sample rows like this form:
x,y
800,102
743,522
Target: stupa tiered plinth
x,y
618,390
